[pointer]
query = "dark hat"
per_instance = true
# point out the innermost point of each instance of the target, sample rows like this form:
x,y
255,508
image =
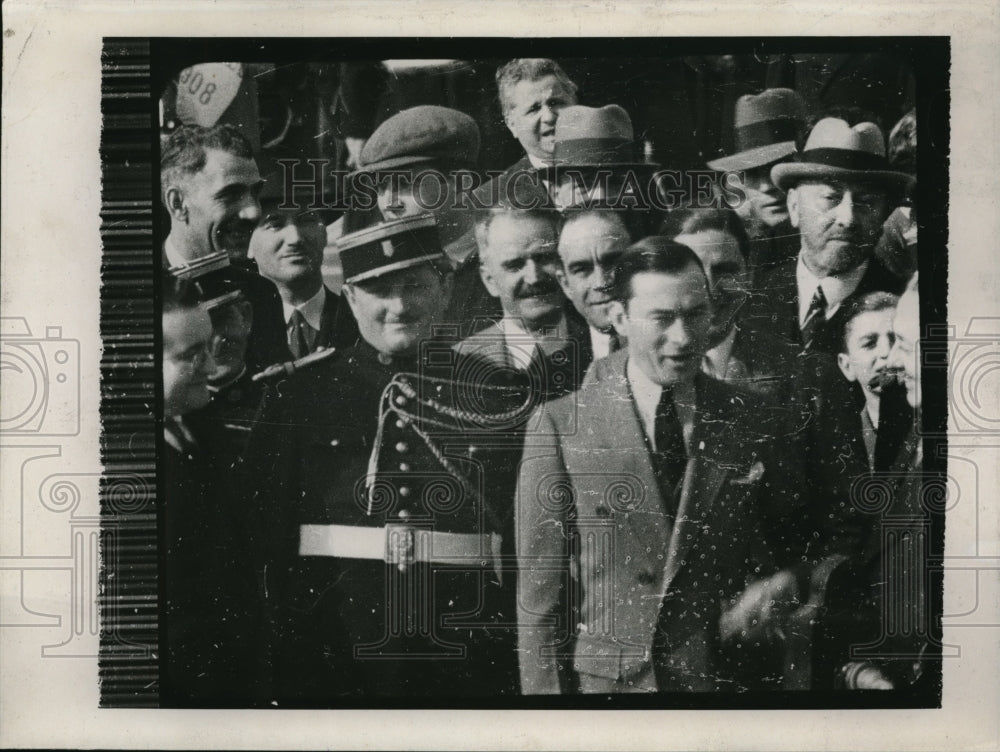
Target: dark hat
x,y
766,128
212,279
835,150
388,247
422,134
594,137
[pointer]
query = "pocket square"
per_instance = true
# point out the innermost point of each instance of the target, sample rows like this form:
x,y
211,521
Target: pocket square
x,y
755,474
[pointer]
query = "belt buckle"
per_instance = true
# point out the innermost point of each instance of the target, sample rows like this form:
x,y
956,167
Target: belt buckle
x,y
400,545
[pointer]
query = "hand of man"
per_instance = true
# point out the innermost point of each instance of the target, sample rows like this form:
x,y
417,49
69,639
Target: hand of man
x,y
761,608
354,147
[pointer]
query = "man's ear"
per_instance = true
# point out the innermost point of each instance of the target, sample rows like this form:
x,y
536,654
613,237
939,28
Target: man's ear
x,y
348,291
176,207
792,201
563,279
618,317
845,367
487,277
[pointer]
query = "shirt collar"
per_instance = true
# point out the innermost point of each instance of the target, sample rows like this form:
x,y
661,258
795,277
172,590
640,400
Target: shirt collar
x,y
516,339
600,342
716,360
311,310
646,395
836,289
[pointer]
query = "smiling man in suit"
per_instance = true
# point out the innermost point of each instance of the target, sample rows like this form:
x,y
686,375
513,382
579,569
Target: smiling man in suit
x,y
640,552
288,247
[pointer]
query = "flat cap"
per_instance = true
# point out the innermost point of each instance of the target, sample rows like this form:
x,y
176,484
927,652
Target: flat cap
x,y
388,247
427,133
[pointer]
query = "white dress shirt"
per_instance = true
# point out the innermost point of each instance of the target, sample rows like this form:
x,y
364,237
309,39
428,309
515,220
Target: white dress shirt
x,y
520,344
835,289
600,342
646,396
311,310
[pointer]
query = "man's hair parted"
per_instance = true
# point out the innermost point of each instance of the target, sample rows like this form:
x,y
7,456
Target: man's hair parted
x,y
528,69
654,254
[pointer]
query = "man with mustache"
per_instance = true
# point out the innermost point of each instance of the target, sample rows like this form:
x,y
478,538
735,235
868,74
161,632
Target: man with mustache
x,y
540,337
839,190
640,551
378,539
211,186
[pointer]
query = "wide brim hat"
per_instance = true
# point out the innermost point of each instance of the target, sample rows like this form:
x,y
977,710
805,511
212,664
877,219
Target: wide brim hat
x,y
765,129
592,138
419,135
388,247
838,151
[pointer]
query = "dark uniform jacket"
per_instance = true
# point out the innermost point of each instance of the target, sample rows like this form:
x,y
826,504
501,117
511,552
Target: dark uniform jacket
x,y
210,633
380,572
774,305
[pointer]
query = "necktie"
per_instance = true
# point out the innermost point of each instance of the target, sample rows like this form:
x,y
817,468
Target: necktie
x,y
179,436
616,342
298,341
815,318
671,455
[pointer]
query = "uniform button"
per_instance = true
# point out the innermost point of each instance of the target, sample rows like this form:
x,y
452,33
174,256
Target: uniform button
x,y
403,467
404,491
403,513
335,442
402,447
401,400
401,423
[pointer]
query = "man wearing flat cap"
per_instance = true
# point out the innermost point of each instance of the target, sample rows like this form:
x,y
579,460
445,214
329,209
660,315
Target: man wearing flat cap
x,y
766,129
379,540
839,191
415,160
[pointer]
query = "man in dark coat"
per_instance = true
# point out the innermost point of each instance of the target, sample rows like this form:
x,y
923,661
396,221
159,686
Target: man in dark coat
x,y
379,525
210,637
838,192
532,92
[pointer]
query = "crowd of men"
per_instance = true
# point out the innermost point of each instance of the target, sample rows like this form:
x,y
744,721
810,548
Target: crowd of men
x,y
554,433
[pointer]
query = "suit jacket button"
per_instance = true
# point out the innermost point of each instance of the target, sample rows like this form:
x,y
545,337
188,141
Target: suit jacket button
x,y
404,514
404,467
404,491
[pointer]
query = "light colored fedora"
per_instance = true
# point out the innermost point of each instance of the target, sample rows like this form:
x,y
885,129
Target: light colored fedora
x,y
836,150
594,137
765,129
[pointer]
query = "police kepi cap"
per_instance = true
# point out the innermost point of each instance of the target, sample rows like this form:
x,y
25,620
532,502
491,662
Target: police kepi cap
x,y
427,133
212,278
388,247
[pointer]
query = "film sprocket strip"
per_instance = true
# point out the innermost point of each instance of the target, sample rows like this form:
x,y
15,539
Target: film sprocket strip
x,y
128,664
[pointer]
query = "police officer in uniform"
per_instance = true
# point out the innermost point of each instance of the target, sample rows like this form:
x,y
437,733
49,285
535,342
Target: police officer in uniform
x,y
378,525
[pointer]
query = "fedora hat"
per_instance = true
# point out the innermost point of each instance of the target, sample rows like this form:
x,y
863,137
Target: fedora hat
x,y
593,137
836,150
765,129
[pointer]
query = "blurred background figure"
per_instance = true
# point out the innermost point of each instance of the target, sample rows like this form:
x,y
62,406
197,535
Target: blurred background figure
x,y
767,130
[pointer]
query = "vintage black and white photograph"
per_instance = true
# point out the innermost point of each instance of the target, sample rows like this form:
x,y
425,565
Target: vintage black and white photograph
x,y
488,379
419,378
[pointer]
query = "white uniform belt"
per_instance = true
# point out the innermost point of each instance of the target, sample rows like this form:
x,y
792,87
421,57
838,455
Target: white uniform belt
x,y
400,544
